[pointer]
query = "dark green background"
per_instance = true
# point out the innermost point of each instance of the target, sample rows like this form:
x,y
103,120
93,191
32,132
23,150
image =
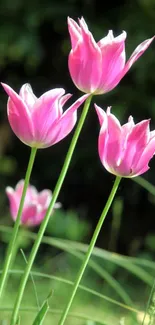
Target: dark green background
x,y
34,47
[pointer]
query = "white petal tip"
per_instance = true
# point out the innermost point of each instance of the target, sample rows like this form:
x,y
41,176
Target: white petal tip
x,y
108,110
9,190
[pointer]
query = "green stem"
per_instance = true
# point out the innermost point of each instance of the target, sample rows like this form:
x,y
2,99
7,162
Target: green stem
x,y
50,208
11,246
144,183
90,249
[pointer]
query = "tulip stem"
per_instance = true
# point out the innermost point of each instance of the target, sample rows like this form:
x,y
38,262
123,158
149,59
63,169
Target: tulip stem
x,y
90,249
49,211
11,245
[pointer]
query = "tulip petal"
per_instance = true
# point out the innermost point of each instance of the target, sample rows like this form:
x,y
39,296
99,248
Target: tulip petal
x,y
13,200
134,57
44,198
19,116
146,156
35,204
62,102
113,62
137,141
29,215
19,187
100,113
46,111
140,49
27,96
114,139
85,61
102,140
74,31
135,144
63,126
110,39
109,143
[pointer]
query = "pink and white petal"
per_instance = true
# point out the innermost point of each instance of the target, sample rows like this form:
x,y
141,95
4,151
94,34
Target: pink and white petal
x,y
40,217
74,31
101,114
113,62
114,140
140,49
83,25
61,128
133,149
127,129
20,123
102,141
45,113
44,198
48,103
27,95
139,138
85,62
75,105
124,168
13,200
62,102
109,39
140,133
152,134
68,120
31,194
29,215
121,38
54,132
141,171
19,106
19,186
146,156
134,57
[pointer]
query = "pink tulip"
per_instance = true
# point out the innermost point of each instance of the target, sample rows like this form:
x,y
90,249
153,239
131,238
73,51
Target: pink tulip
x,y
98,67
35,205
124,150
41,122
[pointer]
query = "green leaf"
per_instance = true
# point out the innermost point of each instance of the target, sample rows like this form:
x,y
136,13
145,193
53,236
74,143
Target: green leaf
x,y
43,311
41,314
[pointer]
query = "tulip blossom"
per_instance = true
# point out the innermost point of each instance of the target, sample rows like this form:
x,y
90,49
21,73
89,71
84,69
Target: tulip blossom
x,y
35,205
41,122
124,150
98,67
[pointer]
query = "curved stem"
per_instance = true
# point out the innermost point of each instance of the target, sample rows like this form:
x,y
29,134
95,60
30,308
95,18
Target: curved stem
x,y
50,208
144,183
90,249
11,246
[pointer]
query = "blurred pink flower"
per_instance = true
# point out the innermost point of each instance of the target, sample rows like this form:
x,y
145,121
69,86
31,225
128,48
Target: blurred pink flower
x,y
124,150
41,122
35,205
98,67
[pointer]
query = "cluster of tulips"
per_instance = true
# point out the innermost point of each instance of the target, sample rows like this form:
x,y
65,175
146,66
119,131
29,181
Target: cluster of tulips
x,y
124,150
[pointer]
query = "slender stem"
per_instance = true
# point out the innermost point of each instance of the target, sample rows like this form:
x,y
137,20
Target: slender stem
x,y
144,183
11,246
50,208
90,249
